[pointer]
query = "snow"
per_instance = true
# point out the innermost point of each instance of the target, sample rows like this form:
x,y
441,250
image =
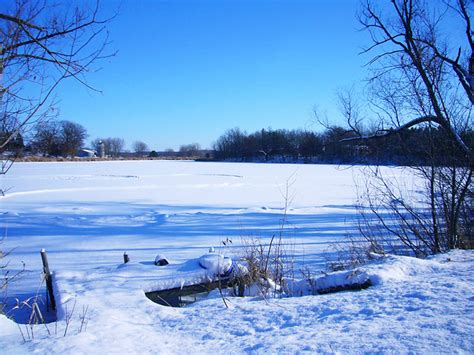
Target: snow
x,y
86,215
216,264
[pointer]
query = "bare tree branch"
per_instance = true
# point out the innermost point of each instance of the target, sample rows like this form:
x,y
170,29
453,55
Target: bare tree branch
x,y
42,45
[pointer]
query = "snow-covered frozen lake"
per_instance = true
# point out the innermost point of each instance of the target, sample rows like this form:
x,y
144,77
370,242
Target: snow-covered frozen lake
x,y
87,214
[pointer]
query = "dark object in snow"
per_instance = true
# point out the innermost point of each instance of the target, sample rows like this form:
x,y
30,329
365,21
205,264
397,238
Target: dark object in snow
x,y
184,295
160,260
48,276
126,258
221,273
352,280
349,287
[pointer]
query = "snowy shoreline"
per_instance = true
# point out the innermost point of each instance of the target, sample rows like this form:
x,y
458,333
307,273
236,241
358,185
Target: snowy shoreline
x,y
87,214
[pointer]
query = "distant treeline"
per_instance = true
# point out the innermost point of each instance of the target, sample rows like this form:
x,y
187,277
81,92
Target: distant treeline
x,y
413,146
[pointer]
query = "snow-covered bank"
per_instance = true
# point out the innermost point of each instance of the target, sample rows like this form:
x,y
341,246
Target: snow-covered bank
x,y
416,306
87,214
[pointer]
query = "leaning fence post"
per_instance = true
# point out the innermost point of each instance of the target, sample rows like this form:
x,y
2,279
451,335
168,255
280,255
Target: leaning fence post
x,y
48,278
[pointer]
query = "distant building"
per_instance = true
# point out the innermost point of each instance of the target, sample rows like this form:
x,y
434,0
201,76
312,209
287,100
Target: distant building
x,y
101,152
86,153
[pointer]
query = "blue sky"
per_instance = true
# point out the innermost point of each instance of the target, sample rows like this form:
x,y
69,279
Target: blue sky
x,y
188,70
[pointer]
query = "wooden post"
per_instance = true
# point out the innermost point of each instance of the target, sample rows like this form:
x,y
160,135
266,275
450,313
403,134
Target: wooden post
x,y
48,278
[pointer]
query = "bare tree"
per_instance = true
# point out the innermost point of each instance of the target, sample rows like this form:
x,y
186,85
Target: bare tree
x,y
115,145
72,137
421,75
42,44
140,147
189,150
417,76
46,138
55,138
